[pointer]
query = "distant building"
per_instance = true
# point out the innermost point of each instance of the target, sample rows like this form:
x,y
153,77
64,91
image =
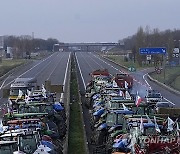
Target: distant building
x,y
1,42
35,54
2,53
56,47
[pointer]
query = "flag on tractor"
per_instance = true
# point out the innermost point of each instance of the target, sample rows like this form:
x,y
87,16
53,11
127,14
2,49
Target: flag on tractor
x,y
138,100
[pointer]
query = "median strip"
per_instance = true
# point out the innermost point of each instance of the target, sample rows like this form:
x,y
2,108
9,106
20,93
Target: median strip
x,y
76,134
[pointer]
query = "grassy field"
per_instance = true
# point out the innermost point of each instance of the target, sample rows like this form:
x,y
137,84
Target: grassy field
x,y
120,60
171,77
76,135
176,83
7,65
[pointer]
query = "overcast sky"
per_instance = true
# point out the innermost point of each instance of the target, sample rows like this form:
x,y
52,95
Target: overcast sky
x,y
86,20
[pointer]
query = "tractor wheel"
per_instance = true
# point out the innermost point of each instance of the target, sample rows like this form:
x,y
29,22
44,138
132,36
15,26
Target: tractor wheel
x,y
100,137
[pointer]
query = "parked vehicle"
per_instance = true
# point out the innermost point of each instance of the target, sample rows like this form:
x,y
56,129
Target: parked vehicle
x,y
124,80
22,84
153,96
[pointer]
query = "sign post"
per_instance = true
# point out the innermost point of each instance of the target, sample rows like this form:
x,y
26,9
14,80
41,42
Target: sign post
x,y
176,56
153,51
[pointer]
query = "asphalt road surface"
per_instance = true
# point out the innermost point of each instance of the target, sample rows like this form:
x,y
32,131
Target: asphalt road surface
x,y
89,62
53,68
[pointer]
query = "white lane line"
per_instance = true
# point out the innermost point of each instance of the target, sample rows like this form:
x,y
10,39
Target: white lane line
x,y
169,101
55,67
139,82
107,63
80,72
151,89
4,82
96,62
39,72
66,70
99,64
65,77
87,63
123,72
146,81
27,71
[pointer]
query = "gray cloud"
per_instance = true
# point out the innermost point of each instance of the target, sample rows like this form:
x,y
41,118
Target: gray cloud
x,y
86,20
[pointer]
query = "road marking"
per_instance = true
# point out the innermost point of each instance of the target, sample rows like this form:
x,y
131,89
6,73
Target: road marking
x,y
54,67
146,81
136,80
28,70
87,62
80,72
65,77
169,101
107,63
96,62
151,89
4,82
66,69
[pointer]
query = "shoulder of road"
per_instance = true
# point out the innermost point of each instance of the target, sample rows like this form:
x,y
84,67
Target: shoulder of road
x,y
148,75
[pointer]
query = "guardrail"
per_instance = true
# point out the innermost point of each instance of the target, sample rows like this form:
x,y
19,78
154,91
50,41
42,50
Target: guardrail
x,y
149,77
163,85
65,149
81,110
126,68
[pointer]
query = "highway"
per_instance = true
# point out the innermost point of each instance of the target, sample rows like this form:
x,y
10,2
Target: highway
x,y
88,62
91,61
53,68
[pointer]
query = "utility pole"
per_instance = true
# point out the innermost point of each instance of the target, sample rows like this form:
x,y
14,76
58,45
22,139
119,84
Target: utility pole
x,y
164,66
32,35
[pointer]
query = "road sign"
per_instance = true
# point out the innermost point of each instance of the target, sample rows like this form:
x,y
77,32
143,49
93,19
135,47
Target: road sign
x,y
176,50
148,57
132,69
149,51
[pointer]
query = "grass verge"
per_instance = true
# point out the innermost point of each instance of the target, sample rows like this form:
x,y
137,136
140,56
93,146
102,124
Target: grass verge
x,y
171,77
7,65
120,60
76,135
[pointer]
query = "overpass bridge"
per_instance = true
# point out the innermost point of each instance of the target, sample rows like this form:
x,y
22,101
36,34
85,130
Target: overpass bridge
x,y
87,46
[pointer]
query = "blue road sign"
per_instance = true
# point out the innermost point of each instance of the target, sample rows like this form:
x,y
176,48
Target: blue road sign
x,y
150,51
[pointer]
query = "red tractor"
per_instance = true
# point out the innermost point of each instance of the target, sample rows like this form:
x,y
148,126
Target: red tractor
x,y
103,72
124,80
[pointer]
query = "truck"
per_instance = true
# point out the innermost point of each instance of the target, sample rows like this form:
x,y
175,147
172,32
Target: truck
x,y
22,84
122,79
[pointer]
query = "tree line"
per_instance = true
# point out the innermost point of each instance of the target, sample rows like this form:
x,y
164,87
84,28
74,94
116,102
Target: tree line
x,y
27,44
145,37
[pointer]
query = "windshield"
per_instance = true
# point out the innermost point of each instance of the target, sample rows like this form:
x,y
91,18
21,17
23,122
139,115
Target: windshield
x,y
154,95
117,98
114,119
28,144
15,91
110,120
8,149
162,105
36,109
150,131
29,109
114,105
138,110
